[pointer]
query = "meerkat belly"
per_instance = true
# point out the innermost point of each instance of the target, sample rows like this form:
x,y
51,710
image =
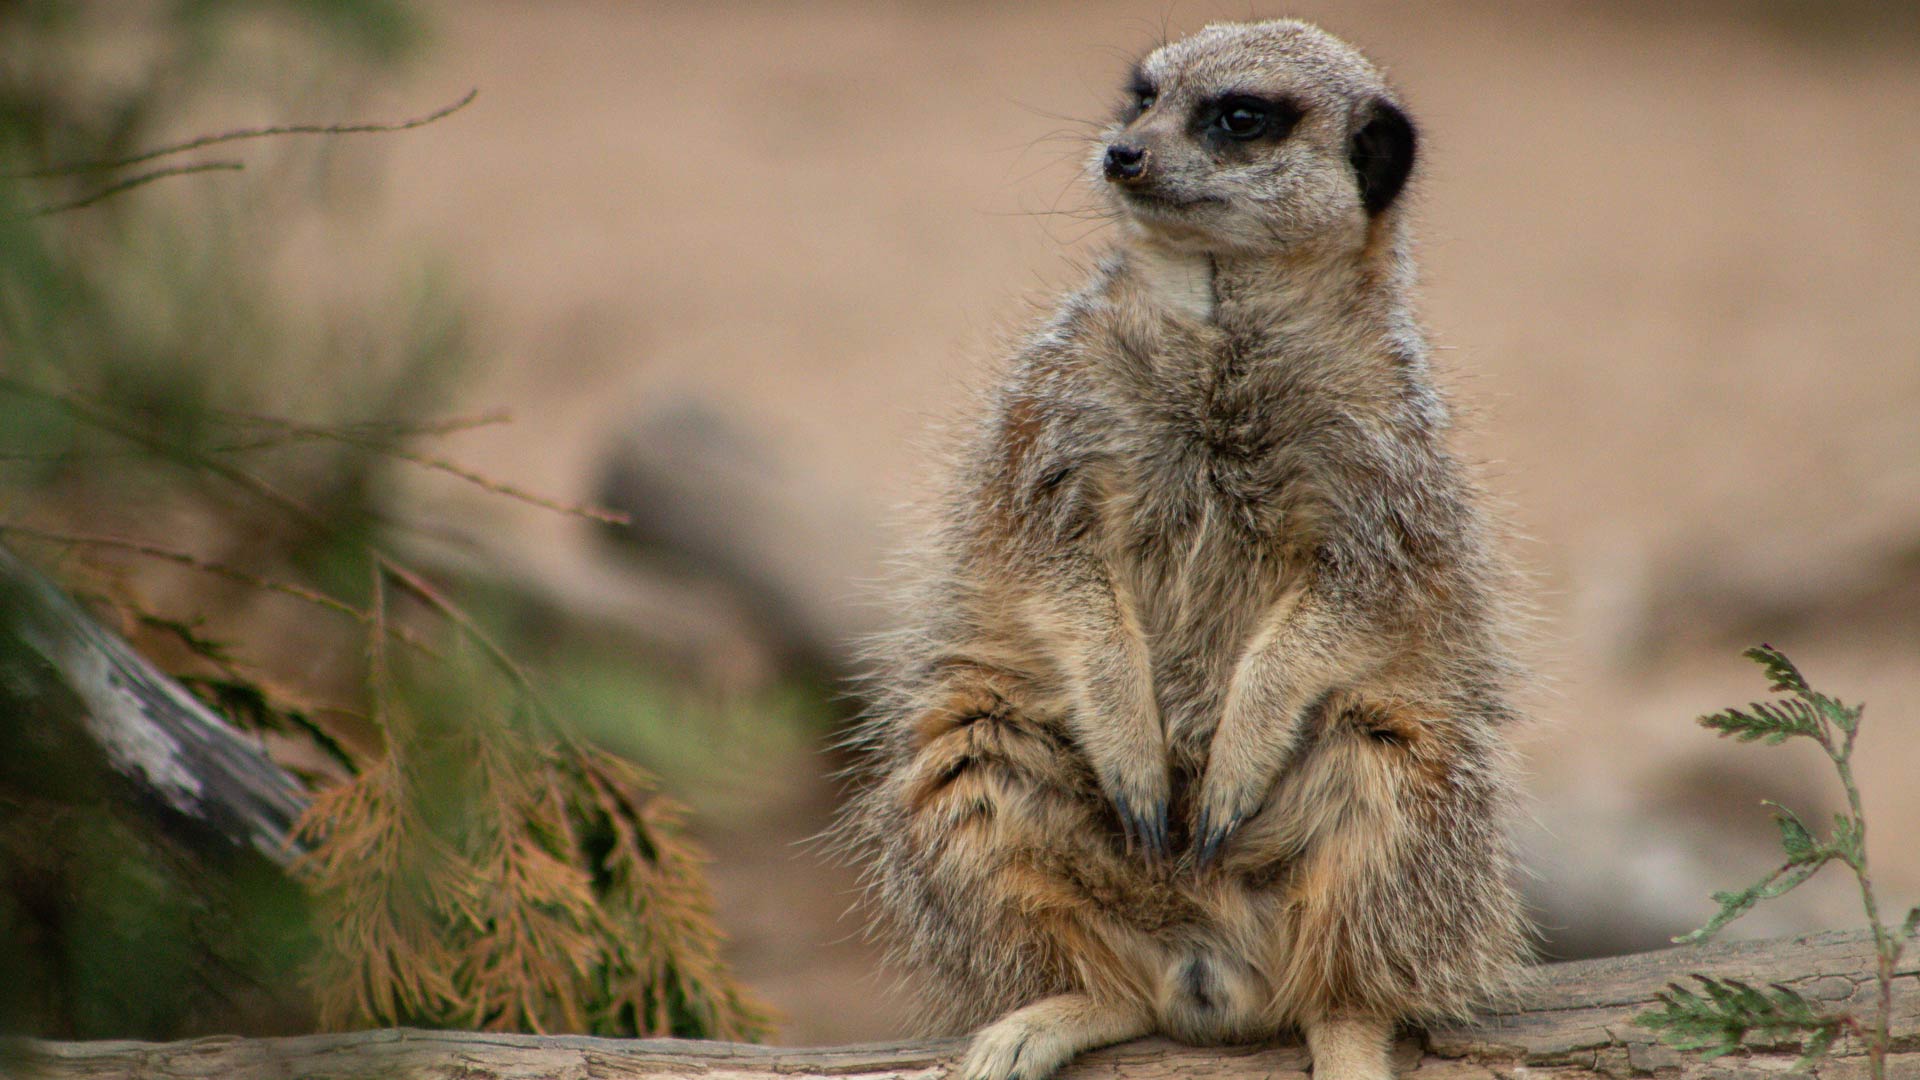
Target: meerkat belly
x,y
1191,669
1202,587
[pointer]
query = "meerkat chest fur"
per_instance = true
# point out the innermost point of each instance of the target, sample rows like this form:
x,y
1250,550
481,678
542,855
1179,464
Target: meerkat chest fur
x,y
1210,409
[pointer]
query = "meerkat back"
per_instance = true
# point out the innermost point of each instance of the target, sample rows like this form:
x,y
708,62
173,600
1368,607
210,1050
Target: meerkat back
x,y
1197,720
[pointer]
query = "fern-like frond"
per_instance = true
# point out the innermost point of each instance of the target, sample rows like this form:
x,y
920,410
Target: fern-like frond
x,y
1774,721
1803,713
1849,843
1781,672
1735,904
380,876
1795,839
1717,1017
1723,1014
667,977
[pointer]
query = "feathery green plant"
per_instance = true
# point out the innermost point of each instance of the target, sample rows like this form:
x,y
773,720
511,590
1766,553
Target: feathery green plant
x,y
471,858
1723,1012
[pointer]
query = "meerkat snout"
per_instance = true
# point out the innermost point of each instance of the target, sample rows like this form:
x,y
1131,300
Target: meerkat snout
x,y
1126,163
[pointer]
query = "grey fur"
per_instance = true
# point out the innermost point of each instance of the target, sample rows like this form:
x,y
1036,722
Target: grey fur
x,y
1198,723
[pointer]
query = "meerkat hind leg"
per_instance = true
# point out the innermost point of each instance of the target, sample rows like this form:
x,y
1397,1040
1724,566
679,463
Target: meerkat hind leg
x,y
1350,1048
1031,1043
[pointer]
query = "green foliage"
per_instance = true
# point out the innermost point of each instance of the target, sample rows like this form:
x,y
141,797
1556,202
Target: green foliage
x,y
171,401
1814,715
381,29
1735,904
1805,713
1718,1021
724,764
130,333
1799,844
1776,723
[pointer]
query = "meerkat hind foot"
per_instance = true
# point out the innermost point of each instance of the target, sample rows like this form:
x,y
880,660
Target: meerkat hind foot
x,y
1032,1043
1351,1048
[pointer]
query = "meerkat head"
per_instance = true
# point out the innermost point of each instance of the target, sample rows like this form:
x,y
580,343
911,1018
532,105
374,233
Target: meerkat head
x,y
1253,138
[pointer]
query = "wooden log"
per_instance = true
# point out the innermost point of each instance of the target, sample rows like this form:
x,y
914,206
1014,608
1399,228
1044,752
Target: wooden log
x,y
143,843
74,691
1576,1023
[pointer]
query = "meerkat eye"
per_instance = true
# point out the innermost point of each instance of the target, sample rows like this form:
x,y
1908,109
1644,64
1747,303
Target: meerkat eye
x,y
1144,94
1243,119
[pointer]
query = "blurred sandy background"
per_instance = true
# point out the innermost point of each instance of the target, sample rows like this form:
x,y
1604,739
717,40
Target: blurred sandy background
x,y
1672,252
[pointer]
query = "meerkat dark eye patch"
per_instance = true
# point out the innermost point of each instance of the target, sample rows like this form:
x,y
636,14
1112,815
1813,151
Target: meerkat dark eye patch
x,y
1241,118
1382,154
1141,95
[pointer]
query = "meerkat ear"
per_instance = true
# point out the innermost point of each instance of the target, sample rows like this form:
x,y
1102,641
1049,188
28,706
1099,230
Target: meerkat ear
x,y
1382,155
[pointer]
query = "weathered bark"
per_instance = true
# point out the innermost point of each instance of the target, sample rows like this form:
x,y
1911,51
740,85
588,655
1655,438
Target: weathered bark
x,y
72,690
1575,1023
143,842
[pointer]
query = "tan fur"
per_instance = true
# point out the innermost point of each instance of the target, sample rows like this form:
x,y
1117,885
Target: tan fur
x,y
1198,724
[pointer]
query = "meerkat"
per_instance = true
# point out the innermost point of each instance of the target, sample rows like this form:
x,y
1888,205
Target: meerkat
x,y
1199,724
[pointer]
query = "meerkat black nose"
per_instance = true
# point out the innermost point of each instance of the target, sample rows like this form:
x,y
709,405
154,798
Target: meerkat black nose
x,y
1125,162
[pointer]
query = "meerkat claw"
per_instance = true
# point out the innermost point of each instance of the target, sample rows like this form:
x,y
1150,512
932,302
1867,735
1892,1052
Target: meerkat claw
x,y
1155,831
1211,837
1146,832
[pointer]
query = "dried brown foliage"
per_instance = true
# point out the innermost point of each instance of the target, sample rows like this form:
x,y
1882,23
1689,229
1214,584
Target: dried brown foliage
x,y
481,866
470,861
507,878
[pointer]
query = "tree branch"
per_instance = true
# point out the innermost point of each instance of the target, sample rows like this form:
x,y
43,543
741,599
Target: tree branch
x,y
239,134
63,676
131,182
1575,1024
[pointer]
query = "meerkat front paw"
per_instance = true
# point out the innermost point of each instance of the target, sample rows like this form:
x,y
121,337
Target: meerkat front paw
x,y
1224,805
1141,804
1015,1049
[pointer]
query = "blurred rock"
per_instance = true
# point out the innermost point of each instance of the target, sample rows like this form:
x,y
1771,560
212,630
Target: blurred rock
x,y
709,503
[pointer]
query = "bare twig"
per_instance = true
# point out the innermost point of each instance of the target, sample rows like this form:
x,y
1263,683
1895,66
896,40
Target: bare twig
x,y
295,431
239,134
378,678
477,479
133,182
183,558
486,483
422,590
408,579
88,412
49,457
364,429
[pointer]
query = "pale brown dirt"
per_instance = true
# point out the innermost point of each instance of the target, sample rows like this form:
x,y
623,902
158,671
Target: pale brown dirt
x,y
1671,252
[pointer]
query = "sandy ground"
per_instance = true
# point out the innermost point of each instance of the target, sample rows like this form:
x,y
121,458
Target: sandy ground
x,y
1670,251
